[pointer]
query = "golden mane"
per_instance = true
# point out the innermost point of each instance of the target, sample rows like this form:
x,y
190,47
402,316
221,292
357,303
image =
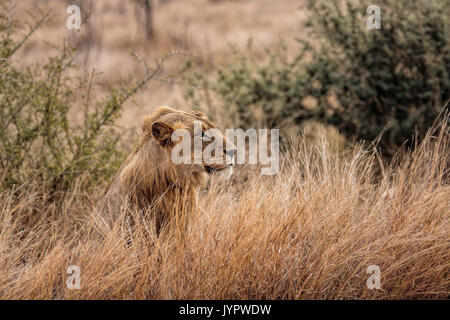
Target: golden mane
x,y
149,180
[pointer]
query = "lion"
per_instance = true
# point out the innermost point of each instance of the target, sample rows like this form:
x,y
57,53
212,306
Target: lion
x,y
151,182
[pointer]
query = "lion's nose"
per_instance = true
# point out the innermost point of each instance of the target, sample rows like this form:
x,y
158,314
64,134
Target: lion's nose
x,y
230,152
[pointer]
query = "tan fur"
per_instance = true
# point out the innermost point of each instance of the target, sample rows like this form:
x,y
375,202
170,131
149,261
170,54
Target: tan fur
x,y
149,180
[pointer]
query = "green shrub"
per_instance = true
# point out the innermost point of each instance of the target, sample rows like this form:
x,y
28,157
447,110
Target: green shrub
x,y
394,80
38,141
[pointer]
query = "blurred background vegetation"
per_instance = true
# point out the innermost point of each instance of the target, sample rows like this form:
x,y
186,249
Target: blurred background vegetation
x,y
385,85
67,98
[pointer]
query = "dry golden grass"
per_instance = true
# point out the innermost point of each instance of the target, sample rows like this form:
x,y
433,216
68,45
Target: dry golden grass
x,y
309,232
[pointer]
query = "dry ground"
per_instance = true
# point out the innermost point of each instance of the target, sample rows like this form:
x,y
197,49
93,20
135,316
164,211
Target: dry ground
x,y
204,29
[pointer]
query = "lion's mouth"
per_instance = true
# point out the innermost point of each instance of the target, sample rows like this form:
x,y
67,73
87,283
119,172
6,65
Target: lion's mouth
x,y
212,170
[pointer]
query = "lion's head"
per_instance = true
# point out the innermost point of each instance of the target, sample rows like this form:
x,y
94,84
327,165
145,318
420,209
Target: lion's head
x,y
208,151
151,178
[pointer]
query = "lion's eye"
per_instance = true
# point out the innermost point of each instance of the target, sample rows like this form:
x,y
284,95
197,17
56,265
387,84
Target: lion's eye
x,y
204,135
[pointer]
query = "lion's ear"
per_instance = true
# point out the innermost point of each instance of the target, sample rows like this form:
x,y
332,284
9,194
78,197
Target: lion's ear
x,y
198,114
162,133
